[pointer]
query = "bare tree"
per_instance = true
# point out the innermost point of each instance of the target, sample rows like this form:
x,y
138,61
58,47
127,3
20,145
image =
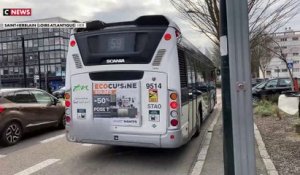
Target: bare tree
x,y
265,16
276,50
215,56
261,53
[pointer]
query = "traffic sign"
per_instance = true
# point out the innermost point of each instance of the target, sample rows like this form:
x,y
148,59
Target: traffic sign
x,y
290,65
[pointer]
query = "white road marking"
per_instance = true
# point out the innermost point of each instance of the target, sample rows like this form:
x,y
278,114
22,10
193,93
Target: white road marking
x,y
87,144
203,152
53,138
2,156
37,167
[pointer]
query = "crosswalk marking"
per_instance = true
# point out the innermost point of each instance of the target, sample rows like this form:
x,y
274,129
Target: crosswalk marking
x,y
2,156
53,138
37,167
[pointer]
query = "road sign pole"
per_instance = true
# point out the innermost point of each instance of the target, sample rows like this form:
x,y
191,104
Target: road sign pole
x,y
239,155
226,102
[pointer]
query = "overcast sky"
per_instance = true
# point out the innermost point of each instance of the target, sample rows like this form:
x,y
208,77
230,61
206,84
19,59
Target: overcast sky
x,y
109,11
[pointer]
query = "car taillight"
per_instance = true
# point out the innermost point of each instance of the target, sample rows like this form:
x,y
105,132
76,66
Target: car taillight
x,y
2,109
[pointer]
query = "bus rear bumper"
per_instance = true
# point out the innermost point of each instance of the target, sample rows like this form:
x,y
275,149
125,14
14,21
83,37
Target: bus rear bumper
x,y
172,139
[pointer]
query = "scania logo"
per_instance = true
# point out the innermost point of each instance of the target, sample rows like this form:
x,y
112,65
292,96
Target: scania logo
x,y
111,61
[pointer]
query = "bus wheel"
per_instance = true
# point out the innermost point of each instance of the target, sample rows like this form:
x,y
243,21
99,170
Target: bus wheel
x,y
198,121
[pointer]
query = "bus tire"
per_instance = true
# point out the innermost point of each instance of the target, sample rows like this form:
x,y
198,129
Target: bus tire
x,y
198,121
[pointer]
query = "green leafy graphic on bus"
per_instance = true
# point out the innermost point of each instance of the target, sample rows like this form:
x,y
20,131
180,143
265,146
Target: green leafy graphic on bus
x,y
80,88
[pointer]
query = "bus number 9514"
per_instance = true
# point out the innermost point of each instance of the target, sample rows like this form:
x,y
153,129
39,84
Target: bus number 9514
x,y
153,85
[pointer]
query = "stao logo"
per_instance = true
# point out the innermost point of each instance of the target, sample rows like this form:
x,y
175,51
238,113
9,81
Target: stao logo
x,y
17,12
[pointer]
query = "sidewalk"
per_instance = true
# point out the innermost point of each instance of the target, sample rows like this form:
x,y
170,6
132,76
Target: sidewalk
x,y
213,164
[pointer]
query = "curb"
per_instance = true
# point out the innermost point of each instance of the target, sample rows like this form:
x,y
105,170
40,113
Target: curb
x,y
197,169
271,169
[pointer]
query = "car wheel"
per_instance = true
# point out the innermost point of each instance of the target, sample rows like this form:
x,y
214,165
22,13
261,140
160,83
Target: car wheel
x,y
62,123
11,134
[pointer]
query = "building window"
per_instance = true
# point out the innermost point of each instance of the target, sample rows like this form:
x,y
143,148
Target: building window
x,y
4,46
295,54
295,38
283,70
41,42
35,43
296,62
277,70
57,41
51,41
296,70
29,43
268,72
46,41
283,47
283,39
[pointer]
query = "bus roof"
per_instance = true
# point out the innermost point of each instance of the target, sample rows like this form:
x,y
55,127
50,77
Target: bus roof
x,y
149,20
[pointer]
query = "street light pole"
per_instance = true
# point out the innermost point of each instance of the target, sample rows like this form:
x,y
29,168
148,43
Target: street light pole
x,y
228,152
239,150
24,61
39,64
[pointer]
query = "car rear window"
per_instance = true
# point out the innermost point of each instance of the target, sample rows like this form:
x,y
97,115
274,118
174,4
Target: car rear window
x,y
135,45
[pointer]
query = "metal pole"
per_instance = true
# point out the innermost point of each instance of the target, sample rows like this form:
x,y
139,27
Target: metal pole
x,y
24,61
239,153
0,77
226,101
46,76
39,64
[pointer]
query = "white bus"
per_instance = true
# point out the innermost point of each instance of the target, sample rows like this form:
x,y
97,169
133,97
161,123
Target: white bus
x,y
136,83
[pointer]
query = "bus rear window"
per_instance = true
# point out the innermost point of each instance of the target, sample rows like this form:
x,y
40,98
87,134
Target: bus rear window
x,y
134,46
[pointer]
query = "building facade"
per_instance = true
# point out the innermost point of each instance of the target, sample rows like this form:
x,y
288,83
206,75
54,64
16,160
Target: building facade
x,y
45,56
289,43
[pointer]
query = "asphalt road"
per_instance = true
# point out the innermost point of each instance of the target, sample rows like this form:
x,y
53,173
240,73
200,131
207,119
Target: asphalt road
x,y
48,152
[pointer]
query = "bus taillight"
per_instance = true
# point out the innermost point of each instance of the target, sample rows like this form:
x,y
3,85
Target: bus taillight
x,y
67,103
174,122
68,110
67,96
174,109
68,119
72,43
174,114
168,36
173,105
173,96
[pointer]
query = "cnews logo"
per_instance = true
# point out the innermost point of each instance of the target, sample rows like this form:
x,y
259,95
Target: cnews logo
x,y
17,12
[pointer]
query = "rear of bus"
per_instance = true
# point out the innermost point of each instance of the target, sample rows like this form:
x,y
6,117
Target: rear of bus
x,y
123,84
